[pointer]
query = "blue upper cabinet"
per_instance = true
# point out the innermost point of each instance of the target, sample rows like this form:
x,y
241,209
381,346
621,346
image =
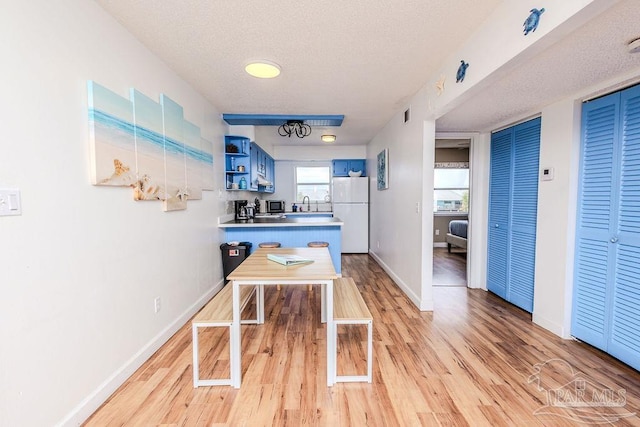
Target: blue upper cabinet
x,y
262,170
270,174
341,167
236,161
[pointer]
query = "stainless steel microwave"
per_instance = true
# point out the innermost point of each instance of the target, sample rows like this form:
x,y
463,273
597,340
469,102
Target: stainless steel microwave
x,y
275,206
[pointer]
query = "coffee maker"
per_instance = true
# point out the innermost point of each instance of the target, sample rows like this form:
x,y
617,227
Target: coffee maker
x,y
241,210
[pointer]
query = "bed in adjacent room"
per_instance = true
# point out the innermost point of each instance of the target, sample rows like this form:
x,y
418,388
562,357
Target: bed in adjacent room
x,y
457,234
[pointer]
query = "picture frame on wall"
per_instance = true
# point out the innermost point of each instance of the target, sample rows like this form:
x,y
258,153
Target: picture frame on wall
x,y
383,169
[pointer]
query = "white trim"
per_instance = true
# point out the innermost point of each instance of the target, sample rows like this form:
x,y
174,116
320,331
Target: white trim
x,y
517,122
95,399
422,305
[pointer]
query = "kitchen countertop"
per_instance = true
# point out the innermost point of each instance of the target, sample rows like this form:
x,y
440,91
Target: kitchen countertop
x,y
262,215
278,221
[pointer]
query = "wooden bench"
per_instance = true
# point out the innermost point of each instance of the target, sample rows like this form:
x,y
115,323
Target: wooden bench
x,y
350,309
219,312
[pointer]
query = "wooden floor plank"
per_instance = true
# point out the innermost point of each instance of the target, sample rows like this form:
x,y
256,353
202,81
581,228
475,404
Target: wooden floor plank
x,y
469,362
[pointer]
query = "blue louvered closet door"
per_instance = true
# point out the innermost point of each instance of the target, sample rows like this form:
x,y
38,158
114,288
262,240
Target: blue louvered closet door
x,y
513,202
606,298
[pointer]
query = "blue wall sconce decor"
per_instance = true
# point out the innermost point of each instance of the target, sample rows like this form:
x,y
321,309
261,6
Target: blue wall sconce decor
x,y
462,71
532,21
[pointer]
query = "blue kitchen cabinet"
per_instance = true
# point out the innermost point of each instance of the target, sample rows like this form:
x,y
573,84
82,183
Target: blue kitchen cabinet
x,y
254,149
341,167
270,174
262,170
236,161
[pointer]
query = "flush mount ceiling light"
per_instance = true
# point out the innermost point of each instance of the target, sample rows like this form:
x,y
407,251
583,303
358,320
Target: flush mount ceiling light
x,y
328,138
634,46
294,127
262,69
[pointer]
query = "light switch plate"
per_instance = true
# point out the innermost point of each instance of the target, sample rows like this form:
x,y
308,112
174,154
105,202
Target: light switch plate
x,y
10,202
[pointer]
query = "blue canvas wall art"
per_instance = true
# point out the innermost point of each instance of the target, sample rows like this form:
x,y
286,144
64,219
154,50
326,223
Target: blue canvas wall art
x,y
148,146
383,169
174,161
206,147
112,144
193,160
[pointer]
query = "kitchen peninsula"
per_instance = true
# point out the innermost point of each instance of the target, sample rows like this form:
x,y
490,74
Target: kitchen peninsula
x,y
291,232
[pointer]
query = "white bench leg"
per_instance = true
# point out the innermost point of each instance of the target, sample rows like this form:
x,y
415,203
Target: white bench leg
x,y
370,351
197,382
355,378
196,366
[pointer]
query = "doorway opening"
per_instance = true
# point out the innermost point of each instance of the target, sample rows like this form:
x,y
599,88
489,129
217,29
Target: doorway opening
x,y
451,212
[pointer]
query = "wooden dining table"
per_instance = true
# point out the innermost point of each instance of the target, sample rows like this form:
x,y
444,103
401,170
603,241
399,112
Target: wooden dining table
x,y
258,270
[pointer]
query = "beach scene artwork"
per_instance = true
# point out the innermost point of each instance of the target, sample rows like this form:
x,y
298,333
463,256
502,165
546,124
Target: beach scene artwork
x,y
111,133
206,170
174,161
148,146
191,148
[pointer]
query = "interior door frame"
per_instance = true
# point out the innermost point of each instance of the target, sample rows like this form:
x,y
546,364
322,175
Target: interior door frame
x,y
479,148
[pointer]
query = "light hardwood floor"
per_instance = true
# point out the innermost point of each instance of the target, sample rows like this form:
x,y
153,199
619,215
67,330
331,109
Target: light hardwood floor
x,y
449,268
472,361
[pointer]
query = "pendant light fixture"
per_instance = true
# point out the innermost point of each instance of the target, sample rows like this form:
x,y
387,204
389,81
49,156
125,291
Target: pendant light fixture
x,y
294,127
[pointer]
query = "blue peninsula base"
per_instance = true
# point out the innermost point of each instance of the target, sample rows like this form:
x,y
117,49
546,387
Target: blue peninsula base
x,y
290,237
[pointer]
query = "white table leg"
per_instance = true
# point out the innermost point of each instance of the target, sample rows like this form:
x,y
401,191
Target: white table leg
x,y
235,339
260,303
323,305
331,341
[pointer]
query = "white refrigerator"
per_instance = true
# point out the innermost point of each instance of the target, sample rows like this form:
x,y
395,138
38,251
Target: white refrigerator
x,y
351,204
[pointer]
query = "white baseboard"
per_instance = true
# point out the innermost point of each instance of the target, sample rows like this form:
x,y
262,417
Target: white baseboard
x,y
550,326
439,244
403,286
93,401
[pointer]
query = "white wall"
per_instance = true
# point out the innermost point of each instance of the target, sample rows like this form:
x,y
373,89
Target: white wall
x,y
396,215
82,265
322,152
555,230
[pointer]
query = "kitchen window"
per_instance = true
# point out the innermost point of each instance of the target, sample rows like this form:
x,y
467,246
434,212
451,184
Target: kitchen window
x,y
314,182
451,188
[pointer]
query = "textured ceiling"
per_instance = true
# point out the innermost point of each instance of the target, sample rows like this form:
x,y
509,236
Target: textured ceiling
x,y
361,58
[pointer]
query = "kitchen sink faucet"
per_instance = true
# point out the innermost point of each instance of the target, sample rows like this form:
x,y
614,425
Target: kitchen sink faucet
x,y
308,203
